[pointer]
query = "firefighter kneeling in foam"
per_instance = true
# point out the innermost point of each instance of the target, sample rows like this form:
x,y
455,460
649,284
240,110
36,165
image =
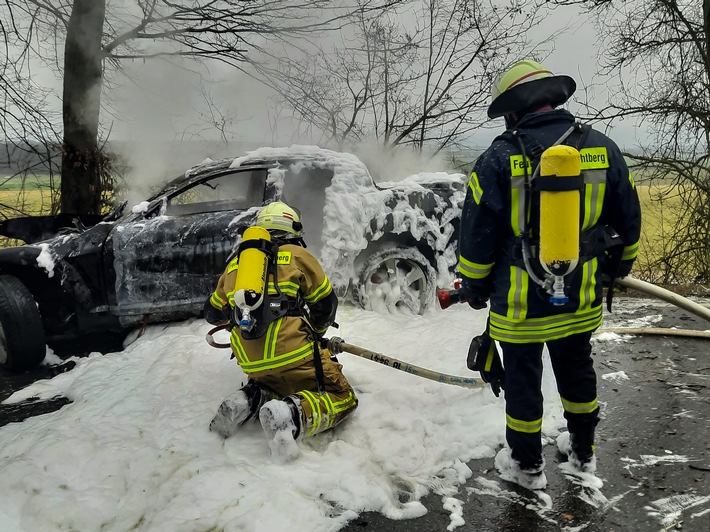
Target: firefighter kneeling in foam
x,y
279,302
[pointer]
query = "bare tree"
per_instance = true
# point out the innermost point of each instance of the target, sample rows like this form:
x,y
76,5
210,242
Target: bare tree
x,y
27,126
99,36
416,75
659,50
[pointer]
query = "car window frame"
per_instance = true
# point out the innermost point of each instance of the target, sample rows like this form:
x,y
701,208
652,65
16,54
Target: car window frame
x,y
160,205
172,209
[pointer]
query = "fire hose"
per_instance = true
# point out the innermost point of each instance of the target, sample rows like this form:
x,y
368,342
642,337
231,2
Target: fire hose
x,y
337,345
665,295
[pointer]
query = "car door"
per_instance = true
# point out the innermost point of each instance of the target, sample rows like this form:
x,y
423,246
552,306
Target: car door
x,y
167,260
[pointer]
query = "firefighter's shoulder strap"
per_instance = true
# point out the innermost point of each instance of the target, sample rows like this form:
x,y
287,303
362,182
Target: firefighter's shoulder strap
x,y
531,149
317,361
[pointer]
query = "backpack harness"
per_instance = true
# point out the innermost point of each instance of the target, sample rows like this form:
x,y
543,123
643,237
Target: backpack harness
x,y
598,241
276,305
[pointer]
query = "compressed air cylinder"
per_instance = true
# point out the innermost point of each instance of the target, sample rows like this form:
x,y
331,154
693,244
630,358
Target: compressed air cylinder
x,y
559,209
253,269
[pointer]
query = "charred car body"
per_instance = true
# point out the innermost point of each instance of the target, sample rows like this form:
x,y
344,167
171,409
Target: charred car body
x,y
387,246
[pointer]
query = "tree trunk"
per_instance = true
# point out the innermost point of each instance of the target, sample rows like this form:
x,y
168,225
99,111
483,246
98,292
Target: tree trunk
x,y
81,161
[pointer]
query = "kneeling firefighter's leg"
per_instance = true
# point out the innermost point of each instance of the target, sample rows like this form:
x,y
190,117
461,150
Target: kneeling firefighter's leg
x,y
577,383
523,403
238,408
281,421
322,411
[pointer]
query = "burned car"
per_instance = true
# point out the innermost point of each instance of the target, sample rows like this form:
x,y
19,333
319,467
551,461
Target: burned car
x,y
386,247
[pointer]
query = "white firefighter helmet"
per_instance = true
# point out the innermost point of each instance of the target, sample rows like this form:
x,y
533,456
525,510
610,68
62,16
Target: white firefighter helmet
x,y
526,85
280,220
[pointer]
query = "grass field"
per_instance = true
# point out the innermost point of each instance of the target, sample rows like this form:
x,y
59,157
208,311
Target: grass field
x,y
42,182
659,211
30,197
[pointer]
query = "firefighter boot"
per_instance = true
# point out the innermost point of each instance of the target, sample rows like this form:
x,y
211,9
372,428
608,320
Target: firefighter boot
x,y
510,470
579,453
238,408
281,421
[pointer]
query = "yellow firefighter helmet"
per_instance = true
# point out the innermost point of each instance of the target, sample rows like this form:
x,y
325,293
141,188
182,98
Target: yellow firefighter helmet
x,y
280,220
526,85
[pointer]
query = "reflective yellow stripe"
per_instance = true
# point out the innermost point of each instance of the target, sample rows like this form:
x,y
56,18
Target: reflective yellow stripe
x,y
630,252
631,180
233,265
286,287
587,290
216,301
517,204
345,404
474,270
475,186
320,292
592,158
594,189
316,411
546,328
329,409
272,335
237,347
490,356
518,294
278,361
518,425
579,408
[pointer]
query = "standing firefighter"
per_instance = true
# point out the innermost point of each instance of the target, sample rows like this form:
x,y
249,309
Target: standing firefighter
x,y
280,303
539,294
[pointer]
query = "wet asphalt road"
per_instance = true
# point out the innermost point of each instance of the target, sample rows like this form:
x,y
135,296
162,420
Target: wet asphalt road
x,y
662,411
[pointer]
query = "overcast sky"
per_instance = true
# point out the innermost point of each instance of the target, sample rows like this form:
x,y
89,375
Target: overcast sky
x,y
163,102
166,101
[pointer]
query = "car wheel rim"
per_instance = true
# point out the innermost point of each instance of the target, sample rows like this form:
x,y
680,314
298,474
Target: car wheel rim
x,y
398,285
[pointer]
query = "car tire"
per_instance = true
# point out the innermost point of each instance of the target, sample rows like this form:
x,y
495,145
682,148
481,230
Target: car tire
x,y
395,279
22,341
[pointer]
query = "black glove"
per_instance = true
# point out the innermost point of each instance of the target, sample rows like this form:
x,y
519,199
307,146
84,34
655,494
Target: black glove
x,y
474,299
215,316
483,357
625,268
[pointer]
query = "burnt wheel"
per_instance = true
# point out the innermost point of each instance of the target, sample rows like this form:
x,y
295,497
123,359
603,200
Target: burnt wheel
x,y
22,342
396,279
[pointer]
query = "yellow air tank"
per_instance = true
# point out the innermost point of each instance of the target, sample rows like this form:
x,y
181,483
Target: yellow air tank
x,y
560,186
250,285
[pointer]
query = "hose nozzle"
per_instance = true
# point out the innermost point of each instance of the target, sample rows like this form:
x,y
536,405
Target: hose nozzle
x,y
449,297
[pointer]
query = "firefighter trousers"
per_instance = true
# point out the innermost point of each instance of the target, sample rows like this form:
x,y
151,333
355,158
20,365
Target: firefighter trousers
x,y
572,364
320,411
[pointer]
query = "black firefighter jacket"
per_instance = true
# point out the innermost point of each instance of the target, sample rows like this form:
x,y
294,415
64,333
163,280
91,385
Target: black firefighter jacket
x,y
492,219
